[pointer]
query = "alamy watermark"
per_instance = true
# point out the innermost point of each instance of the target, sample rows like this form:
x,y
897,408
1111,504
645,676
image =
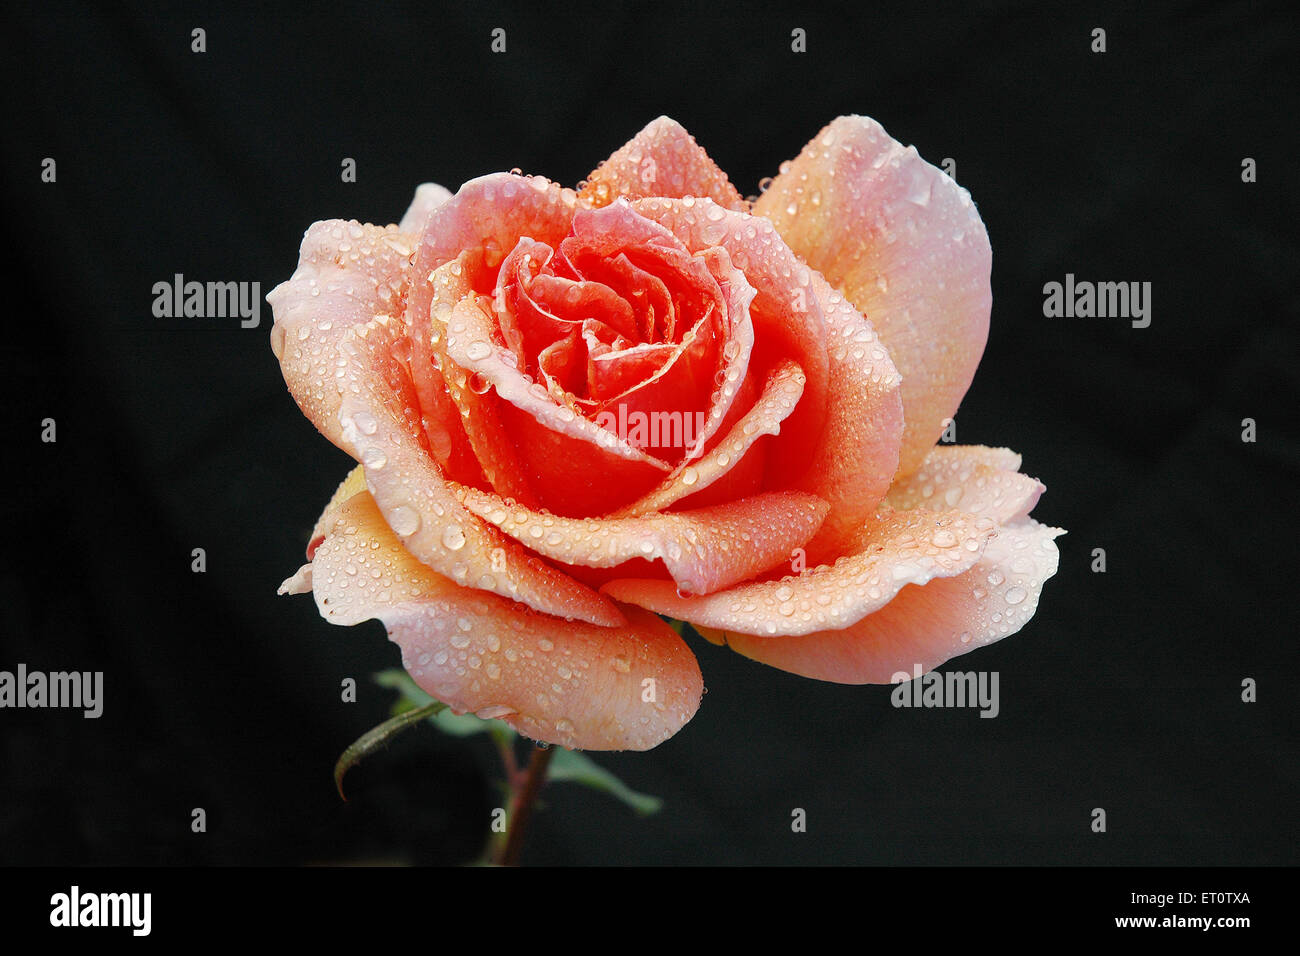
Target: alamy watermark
x,y
80,690
75,908
653,429
208,300
951,689
1084,299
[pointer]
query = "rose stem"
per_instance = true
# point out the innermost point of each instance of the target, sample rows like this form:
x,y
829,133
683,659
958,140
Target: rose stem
x,y
523,805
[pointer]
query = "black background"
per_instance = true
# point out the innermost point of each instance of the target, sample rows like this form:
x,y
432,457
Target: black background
x,y
1122,693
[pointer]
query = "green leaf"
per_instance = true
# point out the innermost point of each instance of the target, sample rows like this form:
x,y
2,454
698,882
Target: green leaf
x,y
456,725
376,737
397,679
575,766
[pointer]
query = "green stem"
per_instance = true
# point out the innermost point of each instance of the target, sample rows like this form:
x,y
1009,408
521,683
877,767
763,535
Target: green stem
x,y
521,810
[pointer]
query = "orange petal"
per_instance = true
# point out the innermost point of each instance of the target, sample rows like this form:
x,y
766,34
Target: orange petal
x,y
972,478
787,317
661,160
575,685
475,413
926,625
780,397
894,549
843,448
574,465
703,550
907,247
855,462
381,428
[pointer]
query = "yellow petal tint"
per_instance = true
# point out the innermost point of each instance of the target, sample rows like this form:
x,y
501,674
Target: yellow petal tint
x,y
568,683
661,160
906,246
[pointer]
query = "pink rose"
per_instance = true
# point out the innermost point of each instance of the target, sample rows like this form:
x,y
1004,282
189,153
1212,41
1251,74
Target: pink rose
x,y
574,412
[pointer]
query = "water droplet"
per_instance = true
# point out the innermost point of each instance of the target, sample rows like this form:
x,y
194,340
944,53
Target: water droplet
x,y
1015,595
366,422
690,476
944,539
453,538
404,521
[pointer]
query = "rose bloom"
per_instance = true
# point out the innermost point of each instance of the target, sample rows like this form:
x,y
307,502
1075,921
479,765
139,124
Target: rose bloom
x,y
577,412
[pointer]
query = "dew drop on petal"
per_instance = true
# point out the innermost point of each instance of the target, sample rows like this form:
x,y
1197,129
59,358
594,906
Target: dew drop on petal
x,y
404,521
453,538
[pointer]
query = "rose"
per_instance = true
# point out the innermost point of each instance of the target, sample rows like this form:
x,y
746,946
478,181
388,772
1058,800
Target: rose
x,y
483,358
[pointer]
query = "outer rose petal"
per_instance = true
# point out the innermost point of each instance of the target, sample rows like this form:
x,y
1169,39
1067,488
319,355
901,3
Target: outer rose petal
x,y
382,430
896,548
704,550
661,160
347,274
906,245
973,478
566,683
925,625
428,197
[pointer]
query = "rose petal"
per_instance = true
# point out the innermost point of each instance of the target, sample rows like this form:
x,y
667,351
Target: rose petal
x,y
894,549
972,478
855,462
476,413
907,247
787,318
492,213
844,449
781,394
428,197
703,550
661,160
927,625
574,466
572,684
382,430
347,274
483,220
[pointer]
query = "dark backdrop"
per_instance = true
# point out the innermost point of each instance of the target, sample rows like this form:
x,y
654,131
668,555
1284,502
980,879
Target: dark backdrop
x,y
1124,692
